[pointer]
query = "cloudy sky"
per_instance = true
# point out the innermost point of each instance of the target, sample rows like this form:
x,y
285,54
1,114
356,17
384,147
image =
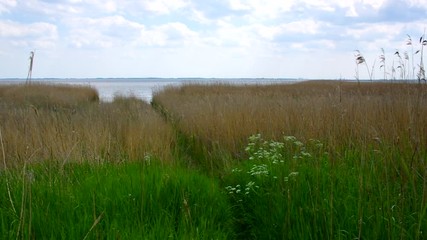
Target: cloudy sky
x,y
205,38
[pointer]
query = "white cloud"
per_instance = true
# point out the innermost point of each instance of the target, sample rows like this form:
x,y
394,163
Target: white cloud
x,y
6,5
237,37
331,4
117,31
108,6
239,5
299,46
47,8
268,32
248,36
310,46
308,26
260,9
164,6
103,23
87,38
199,17
39,34
353,7
302,27
103,32
328,6
421,3
152,38
177,31
366,31
375,4
168,35
229,35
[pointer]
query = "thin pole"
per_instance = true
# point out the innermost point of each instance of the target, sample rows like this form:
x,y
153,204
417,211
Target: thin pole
x,y
30,71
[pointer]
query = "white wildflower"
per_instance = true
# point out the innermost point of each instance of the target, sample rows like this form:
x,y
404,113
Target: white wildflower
x,y
306,154
290,138
259,170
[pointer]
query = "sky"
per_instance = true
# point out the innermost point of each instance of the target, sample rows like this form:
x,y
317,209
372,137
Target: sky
x,y
311,39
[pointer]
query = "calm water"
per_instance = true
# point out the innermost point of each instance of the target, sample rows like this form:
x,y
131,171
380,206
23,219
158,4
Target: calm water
x,y
142,87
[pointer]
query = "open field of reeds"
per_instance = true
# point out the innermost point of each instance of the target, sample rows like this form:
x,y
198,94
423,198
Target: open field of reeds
x,y
342,115
69,124
310,160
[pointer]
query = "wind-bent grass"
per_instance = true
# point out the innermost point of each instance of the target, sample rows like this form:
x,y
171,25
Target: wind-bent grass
x,y
68,124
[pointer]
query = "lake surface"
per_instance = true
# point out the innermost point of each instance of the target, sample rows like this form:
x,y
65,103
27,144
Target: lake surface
x,y
143,88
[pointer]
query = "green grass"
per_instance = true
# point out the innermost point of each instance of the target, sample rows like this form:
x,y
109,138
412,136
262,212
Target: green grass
x,y
291,190
286,189
127,201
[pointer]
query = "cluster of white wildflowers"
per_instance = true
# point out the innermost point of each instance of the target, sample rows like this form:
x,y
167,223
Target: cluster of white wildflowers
x,y
291,176
301,151
266,155
147,158
269,167
273,151
259,170
258,149
250,186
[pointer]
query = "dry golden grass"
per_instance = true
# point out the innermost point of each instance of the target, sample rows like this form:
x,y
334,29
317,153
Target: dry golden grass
x,y
340,114
43,95
70,125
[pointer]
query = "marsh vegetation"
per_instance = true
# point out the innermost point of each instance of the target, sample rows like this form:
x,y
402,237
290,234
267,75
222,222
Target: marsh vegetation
x,y
310,160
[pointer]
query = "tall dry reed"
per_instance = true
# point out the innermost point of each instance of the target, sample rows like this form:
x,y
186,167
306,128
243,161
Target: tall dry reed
x,y
44,95
341,114
65,123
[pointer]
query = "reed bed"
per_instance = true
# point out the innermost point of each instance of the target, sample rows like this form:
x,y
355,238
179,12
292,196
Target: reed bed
x,y
340,114
44,95
68,124
311,160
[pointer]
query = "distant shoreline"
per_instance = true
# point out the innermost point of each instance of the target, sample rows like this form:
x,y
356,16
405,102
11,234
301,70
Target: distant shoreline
x,y
162,78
